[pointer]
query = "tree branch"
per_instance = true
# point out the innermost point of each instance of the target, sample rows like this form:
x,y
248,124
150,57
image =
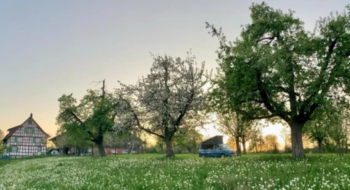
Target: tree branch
x,y
256,118
322,74
271,38
263,94
81,123
138,123
308,113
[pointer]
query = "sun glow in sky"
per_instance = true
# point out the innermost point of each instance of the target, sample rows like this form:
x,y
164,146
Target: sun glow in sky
x,y
50,48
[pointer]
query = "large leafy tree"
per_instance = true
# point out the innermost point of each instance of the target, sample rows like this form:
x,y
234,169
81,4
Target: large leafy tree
x,y
91,118
277,69
160,103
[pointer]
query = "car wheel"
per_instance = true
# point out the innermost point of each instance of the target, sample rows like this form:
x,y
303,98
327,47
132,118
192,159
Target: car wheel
x,y
203,156
222,156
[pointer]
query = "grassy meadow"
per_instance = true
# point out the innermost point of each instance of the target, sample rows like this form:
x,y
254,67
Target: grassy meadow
x,y
186,171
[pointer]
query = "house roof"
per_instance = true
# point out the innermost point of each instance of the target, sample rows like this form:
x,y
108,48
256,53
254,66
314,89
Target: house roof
x,y
55,137
6,137
11,131
14,129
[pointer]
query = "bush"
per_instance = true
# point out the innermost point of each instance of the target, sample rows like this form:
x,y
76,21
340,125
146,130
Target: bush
x,y
288,149
273,151
151,149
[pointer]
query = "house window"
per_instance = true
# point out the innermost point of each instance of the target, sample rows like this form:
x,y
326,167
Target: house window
x,y
38,140
14,149
18,139
29,130
30,122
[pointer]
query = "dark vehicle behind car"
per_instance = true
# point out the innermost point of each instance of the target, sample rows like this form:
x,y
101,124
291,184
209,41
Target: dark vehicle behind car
x,y
214,147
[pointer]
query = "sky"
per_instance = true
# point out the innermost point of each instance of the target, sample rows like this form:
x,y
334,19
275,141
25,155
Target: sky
x,y
51,48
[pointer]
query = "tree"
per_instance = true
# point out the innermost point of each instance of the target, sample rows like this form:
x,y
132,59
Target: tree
x,y
285,135
91,118
249,132
160,102
231,142
188,139
346,126
232,125
160,145
271,142
322,121
1,134
2,146
257,142
278,70
339,127
112,139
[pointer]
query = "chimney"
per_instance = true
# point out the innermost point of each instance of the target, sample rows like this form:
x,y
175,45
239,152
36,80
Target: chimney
x,y
31,115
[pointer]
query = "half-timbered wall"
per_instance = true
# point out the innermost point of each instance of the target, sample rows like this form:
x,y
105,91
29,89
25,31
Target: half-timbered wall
x,y
28,140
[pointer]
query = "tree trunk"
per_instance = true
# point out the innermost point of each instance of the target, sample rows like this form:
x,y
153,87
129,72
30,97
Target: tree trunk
x,y
169,148
101,149
161,147
244,148
342,147
131,149
238,151
319,143
338,147
297,140
77,151
65,150
346,147
285,145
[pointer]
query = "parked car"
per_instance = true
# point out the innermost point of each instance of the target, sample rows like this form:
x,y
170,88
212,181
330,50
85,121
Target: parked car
x,y
214,147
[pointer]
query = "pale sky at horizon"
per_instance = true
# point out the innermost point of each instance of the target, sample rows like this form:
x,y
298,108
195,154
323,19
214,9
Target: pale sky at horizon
x,y
50,48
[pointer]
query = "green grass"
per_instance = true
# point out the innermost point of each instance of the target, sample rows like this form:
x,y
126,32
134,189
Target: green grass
x,y
186,171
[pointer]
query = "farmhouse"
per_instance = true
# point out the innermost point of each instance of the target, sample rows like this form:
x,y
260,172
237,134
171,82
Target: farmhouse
x,y
27,139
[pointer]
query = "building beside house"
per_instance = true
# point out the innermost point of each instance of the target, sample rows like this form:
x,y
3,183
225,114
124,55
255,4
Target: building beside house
x,y
27,139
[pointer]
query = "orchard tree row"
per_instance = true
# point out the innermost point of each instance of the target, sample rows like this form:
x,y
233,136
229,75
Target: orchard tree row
x,y
276,71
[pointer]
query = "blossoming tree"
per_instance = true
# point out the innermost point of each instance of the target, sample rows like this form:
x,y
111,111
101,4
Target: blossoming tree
x,y
160,102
